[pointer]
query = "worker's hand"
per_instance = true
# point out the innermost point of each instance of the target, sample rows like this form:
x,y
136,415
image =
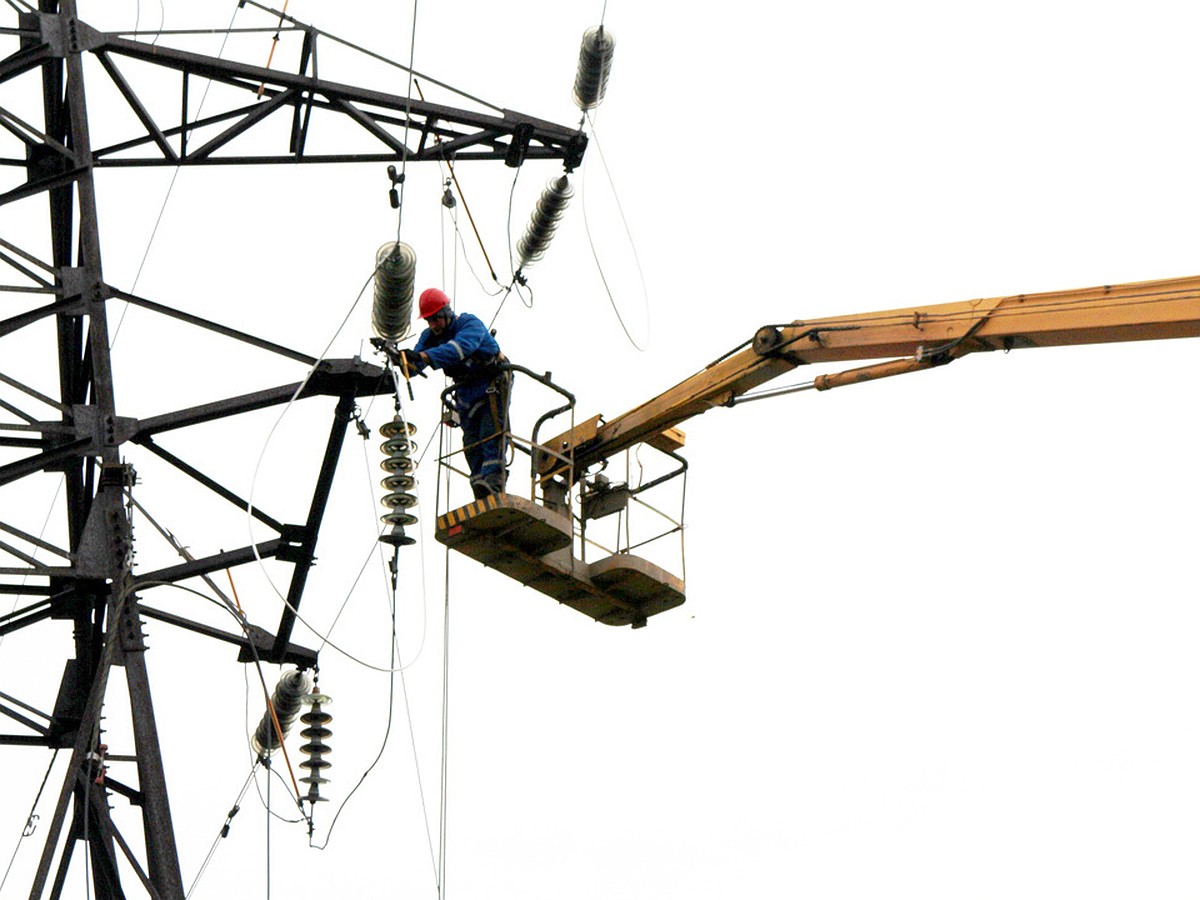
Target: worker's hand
x,y
411,360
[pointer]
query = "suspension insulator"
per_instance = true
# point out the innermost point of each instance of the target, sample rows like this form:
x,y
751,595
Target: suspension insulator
x,y
397,426
400,484
542,224
316,732
397,464
399,500
286,699
395,272
595,64
398,446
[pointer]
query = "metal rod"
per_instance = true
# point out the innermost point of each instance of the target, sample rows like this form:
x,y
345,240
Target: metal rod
x,y
37,542
209,483
209,325
37,395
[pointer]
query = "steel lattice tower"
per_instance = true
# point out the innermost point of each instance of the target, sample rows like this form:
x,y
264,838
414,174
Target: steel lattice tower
x,y
93,584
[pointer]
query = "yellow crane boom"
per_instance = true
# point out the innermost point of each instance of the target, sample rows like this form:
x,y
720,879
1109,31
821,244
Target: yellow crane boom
x,y
921,337
534,543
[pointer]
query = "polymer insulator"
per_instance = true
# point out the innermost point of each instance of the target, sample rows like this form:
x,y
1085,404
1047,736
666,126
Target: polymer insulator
x,y
395,272
316,732
286,700
595,64
542,224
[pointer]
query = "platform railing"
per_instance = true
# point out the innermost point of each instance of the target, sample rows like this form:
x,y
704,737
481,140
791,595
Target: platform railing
x,y
545,464
603,497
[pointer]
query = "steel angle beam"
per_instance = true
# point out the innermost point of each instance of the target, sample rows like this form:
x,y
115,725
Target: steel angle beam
x,y
441,131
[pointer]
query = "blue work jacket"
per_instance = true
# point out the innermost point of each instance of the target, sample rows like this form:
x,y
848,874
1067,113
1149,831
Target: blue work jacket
x,y
465,350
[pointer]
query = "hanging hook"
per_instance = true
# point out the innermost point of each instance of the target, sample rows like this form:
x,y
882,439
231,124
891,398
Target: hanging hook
x,y
396,178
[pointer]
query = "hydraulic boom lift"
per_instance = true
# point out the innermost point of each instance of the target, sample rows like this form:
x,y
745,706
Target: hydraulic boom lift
x,y
532,539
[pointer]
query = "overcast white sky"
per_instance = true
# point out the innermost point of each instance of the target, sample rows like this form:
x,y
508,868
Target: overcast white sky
x,y
939,639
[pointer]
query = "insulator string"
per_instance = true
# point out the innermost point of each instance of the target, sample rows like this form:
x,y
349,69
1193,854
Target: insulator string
x,y
595,65
395,274
548,212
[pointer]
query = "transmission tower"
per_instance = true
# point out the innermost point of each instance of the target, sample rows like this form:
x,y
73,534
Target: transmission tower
x,y
77,432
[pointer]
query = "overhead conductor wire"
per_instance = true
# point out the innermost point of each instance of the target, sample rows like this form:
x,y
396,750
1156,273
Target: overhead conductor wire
x,y
449,164
391,592
30,820
224,830
628,234
170,187
392,668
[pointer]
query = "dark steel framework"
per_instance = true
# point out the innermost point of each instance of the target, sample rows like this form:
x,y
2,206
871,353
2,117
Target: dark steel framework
x,y
93,584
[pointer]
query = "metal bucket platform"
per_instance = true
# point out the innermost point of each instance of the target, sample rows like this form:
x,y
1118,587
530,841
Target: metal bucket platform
x,y
532,545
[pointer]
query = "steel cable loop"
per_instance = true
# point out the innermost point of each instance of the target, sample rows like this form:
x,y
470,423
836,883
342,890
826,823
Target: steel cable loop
x,y
308,375
254,482
391,592
383,745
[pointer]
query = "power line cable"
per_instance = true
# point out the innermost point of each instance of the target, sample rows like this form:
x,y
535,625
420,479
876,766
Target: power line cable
x,y
628,234
373,55
174,175
224,830
30,820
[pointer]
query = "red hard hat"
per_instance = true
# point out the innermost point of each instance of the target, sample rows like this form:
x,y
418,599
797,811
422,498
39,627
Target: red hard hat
x,y
432,300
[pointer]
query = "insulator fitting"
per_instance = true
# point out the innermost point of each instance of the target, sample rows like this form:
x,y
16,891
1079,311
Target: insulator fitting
x,y
286,699
542,224
595,64
399,483
316,733
395,272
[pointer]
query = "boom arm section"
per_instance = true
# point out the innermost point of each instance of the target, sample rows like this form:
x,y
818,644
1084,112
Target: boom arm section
x,y
921,337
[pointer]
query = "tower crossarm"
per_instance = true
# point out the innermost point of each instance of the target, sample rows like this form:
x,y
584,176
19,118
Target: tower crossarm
x,y
392,126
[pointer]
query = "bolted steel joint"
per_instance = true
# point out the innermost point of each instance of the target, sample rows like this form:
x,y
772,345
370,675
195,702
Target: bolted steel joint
x,y
766,340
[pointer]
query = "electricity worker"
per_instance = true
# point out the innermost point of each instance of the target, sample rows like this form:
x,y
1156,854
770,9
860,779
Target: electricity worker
x,y
462,347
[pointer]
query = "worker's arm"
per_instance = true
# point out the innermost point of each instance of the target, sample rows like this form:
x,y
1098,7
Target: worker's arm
x,y
470,334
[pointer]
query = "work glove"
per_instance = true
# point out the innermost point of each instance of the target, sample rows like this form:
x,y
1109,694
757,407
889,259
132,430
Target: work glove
x,y
411,360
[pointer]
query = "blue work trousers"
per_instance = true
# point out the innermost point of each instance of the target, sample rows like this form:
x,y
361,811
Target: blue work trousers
x,y
484,424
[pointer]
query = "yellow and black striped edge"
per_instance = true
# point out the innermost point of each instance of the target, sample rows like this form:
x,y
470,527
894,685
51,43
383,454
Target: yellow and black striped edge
x,y
456,517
